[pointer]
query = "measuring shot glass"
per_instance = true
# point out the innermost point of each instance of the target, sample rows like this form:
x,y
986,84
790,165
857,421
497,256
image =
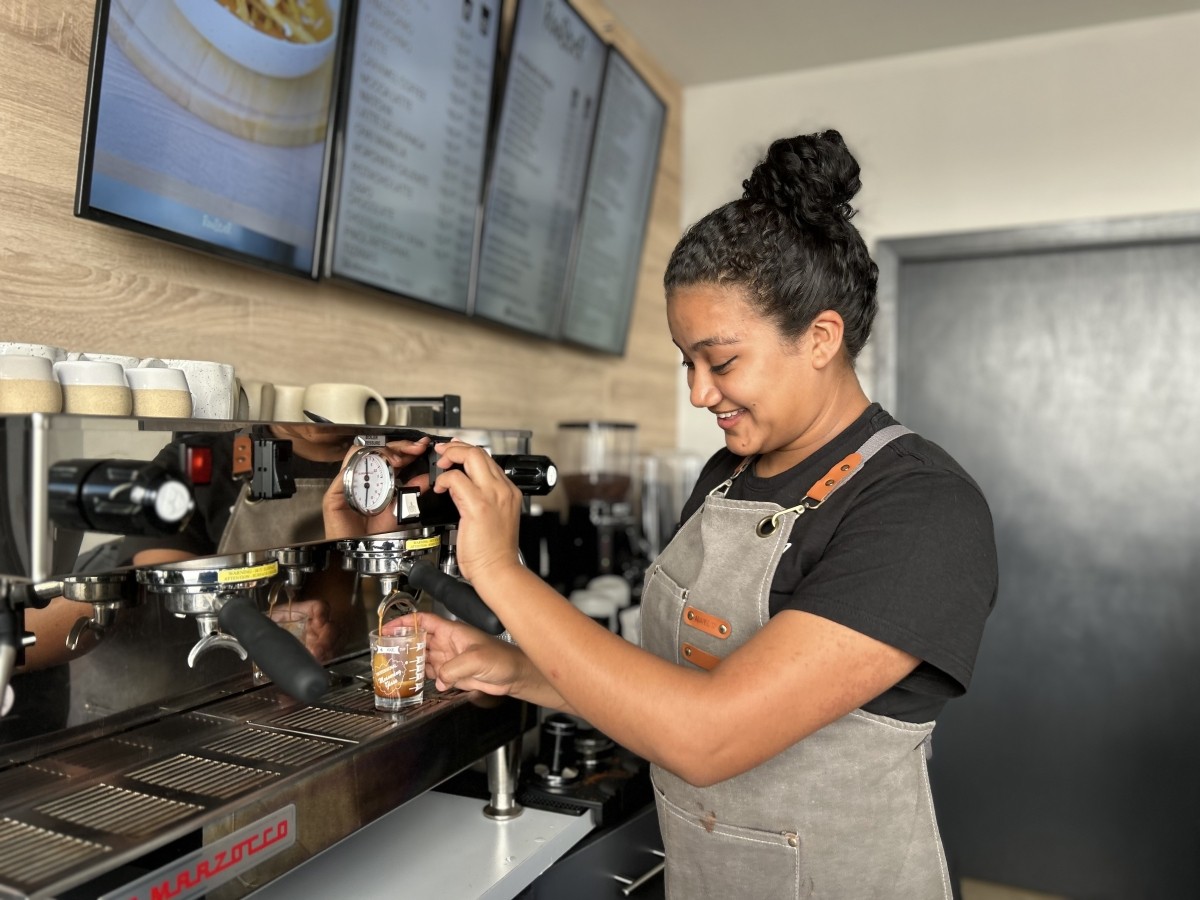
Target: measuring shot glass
x,y
398,658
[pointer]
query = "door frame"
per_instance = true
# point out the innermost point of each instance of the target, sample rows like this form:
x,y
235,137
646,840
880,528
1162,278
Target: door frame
x,y
892,253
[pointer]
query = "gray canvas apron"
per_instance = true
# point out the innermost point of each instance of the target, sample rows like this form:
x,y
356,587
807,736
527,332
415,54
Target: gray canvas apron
x,y
267,524
846,813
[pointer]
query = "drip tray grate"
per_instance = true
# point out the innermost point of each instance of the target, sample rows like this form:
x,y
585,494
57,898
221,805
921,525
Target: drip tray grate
x,y
29,854
332,723
114,810
206,777
272,747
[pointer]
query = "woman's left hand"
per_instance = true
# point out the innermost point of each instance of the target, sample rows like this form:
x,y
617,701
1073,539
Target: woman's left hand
x,y
489,507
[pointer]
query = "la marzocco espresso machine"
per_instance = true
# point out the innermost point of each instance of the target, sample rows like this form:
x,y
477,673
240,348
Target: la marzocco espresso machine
x,y
162,736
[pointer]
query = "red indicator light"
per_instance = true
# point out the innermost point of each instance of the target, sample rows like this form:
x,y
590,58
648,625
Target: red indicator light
x,y
199,465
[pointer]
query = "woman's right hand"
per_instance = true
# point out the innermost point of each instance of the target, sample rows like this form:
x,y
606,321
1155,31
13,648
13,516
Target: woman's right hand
x,y
458,655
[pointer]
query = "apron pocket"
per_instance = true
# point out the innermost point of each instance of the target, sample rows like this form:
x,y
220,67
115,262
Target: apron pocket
x,y
710,858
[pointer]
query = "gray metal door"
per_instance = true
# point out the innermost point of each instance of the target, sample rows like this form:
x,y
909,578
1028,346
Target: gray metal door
x,y
1065,375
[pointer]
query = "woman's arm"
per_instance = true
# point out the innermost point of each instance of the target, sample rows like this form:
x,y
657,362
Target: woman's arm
x,y
798,674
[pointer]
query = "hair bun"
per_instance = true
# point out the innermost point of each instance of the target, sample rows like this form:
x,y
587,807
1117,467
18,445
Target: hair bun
x,y
811,178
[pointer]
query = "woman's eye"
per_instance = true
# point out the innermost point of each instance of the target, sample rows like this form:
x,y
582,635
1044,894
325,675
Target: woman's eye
x,y
721,368
687,364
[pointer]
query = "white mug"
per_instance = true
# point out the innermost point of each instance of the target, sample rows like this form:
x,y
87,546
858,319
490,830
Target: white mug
x,y
346,404
256,400
213,386
159,393
94,387
289,403
28,385
45,351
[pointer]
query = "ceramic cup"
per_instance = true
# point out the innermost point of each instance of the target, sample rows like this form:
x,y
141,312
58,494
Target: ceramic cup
x,y
94,387
28,385
159,393
346,404
213,386
256,400
45,351
125,362
289,403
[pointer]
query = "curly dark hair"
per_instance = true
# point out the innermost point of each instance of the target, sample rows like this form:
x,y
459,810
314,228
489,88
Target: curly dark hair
x,y
788,241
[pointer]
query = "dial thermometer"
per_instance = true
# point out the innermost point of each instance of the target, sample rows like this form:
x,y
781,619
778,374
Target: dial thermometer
x,y
368,481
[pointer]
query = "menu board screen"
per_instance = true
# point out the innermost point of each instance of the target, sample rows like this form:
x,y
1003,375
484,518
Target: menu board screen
x,y
616,204
539,166
208,128
409,176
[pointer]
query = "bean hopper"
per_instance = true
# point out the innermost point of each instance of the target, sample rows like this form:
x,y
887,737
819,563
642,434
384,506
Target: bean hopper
x,y
597,460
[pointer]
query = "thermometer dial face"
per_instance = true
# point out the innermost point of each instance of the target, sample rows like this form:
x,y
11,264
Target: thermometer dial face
x,y
368,482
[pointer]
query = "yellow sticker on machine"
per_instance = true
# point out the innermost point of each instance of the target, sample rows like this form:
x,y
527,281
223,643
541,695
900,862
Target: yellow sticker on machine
x,y
423,543
248,573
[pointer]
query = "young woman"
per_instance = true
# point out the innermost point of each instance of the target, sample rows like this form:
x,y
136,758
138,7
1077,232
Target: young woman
x,y
823,598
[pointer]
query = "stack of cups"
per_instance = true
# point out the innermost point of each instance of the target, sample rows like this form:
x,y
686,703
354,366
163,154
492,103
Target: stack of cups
x,y
604,599
37,378
101,387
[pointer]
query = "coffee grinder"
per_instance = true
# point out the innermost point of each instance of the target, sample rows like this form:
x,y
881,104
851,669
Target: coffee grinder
x,y
596,464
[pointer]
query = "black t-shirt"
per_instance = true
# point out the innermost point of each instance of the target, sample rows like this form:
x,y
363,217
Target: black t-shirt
x,y
903,552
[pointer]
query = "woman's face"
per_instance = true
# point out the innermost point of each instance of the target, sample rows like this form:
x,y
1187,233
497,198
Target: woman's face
x,y
763,388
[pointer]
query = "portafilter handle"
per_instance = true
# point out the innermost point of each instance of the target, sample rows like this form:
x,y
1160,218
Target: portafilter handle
x,y
280,656
456,595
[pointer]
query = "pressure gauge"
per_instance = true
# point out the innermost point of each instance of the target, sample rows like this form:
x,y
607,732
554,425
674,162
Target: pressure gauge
x,y
368,481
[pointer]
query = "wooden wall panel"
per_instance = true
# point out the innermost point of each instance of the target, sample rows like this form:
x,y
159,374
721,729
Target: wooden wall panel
x,y
88,286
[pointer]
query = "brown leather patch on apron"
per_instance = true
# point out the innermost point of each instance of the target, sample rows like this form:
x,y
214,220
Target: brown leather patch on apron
x,y
821,489
698,657
243,455
706,622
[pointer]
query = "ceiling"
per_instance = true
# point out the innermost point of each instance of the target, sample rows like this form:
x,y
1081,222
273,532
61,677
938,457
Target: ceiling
x,y
702,41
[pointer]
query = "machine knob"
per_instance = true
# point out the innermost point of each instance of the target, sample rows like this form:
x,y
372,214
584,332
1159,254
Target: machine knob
x,y
534,475
119,496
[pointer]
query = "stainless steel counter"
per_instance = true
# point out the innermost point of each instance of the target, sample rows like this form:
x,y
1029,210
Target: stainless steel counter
x,y
436,845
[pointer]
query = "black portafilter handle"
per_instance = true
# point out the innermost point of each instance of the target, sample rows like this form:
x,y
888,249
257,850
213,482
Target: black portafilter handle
x,y
456,595
281,657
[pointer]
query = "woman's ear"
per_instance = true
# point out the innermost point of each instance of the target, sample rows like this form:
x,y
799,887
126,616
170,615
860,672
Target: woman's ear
x,y
825,337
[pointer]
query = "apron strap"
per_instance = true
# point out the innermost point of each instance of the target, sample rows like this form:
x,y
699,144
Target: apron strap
x,y
843,471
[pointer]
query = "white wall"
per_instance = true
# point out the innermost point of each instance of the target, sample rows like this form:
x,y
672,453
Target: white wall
x,y
1095,123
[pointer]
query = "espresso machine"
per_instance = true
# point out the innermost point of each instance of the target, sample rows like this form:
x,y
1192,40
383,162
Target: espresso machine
x,y
149,759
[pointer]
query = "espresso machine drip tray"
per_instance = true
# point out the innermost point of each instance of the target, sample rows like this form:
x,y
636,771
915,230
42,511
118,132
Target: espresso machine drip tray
x,y
94,818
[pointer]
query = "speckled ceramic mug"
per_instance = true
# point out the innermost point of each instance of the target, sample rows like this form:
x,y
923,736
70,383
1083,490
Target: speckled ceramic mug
x,y
213,385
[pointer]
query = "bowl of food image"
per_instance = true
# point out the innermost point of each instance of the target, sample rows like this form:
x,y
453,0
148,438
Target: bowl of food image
x,y
279,38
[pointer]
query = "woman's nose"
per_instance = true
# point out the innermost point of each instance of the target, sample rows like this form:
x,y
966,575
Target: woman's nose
x,y
703,392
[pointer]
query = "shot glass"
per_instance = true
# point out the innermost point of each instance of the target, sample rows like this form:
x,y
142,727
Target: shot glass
x,y
294,623
398,667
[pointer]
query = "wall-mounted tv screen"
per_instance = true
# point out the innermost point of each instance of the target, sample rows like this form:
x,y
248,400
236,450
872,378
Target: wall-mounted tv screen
x,y
608,247
411,146
206,124
539,166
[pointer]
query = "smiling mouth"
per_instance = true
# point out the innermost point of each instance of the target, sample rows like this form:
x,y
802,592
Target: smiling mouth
x,y
728,419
